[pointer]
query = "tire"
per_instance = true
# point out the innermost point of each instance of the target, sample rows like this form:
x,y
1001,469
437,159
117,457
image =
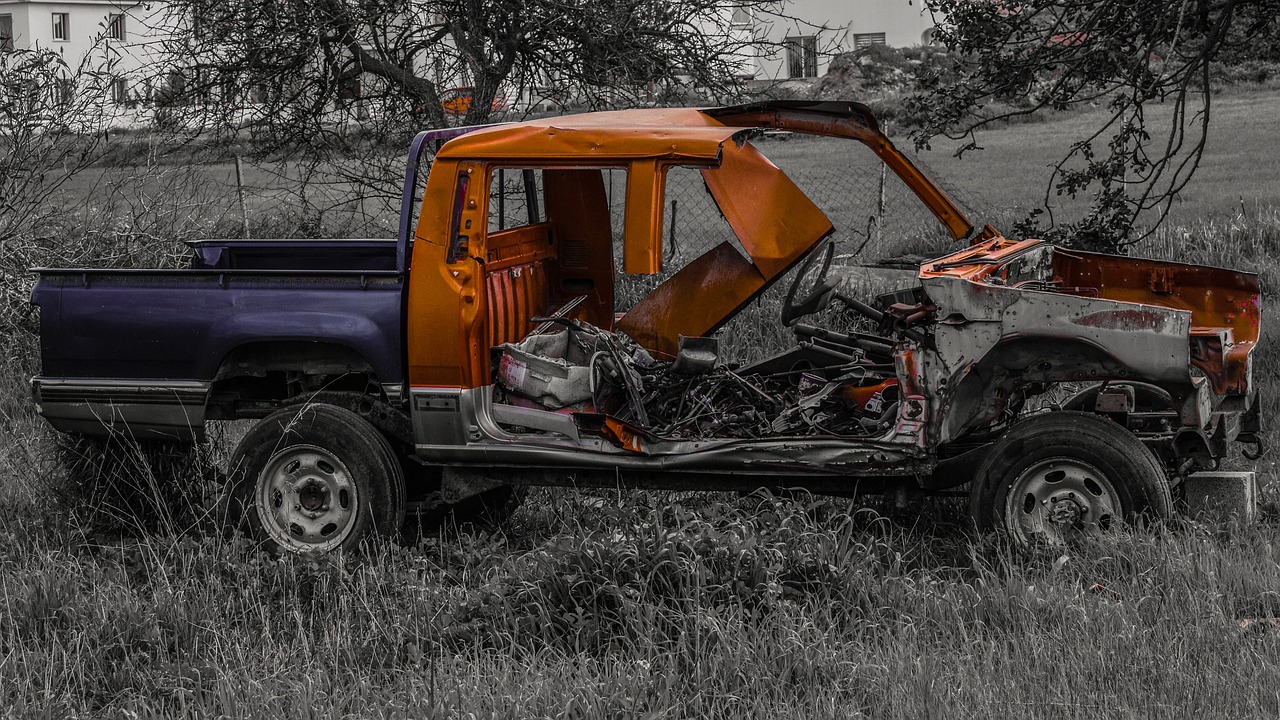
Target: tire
x,y
315,478
1060,476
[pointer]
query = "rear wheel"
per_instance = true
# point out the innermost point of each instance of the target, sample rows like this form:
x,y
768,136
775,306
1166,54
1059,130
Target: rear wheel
x,y
1061,476
315,478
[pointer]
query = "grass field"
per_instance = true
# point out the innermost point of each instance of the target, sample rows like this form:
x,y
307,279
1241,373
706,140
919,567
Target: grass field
x,y
1000,182
632,604
1236,174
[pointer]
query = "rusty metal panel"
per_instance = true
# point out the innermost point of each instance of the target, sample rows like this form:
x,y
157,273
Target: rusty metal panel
x,y
514,295
773,219
1225,306
578,211
1039,314
642,243
695,301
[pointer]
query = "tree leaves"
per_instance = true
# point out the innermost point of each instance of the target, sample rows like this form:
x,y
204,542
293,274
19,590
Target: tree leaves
x,y
1125,56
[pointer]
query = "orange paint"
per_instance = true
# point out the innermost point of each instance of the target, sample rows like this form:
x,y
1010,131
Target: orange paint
x,y
457,311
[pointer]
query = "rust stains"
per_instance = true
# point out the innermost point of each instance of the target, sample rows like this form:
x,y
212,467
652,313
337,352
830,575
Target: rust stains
x,y
1128,319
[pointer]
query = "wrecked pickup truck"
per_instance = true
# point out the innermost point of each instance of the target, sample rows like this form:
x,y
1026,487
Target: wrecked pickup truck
x,y
483,349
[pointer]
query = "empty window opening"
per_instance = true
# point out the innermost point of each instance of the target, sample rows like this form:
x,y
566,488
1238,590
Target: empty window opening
x,y
61,26
802,56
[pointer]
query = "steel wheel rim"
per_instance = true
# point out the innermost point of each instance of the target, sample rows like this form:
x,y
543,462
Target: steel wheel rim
x,y
306,499
1059,500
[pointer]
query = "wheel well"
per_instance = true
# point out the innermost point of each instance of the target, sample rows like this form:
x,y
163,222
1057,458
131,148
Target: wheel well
x,y
1147,397
254,378
981,396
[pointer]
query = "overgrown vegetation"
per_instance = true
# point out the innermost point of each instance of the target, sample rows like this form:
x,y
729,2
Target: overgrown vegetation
x,y
646,606
1131,58
610,604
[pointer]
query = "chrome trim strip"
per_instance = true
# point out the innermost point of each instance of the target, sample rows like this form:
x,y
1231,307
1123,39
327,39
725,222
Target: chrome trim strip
x,y
172,409
162,392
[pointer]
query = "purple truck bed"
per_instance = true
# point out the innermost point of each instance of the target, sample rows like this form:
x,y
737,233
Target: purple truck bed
x,y
146,350
146,346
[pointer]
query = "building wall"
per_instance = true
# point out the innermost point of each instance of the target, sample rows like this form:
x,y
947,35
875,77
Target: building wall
x,y
836,26
131,60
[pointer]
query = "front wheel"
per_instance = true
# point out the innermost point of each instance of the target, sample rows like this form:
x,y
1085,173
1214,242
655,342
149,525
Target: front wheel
x,y
1060,476
315,478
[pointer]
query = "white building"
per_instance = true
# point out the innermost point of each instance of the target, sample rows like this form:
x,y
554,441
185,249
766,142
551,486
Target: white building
x,y
112,36
805,35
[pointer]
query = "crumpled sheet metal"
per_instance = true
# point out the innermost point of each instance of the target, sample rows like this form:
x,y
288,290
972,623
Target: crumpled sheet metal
x,y
1154,317
1054,315
776,224
1225,306
681,306
772,217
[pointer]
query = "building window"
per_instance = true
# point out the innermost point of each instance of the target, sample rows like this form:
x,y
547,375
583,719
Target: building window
x,y
862,41
200,82
173,90
228,91
115,26
119,90
61,26
6,33
741,16
802,57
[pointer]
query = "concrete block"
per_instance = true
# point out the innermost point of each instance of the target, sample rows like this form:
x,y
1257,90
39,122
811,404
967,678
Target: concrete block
x,y
1220,495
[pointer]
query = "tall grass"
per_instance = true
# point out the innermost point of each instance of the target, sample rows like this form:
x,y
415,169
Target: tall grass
x,y
638,606
1248,239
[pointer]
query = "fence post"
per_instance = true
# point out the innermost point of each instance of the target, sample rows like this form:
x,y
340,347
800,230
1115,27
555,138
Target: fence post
x,y
671,233
502,199
880,205
244,212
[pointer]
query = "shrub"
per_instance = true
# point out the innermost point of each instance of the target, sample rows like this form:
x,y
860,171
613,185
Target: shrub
x,y
1245,72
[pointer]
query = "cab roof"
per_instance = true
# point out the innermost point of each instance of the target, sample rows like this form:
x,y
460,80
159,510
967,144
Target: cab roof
x,y
694,134
689,135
